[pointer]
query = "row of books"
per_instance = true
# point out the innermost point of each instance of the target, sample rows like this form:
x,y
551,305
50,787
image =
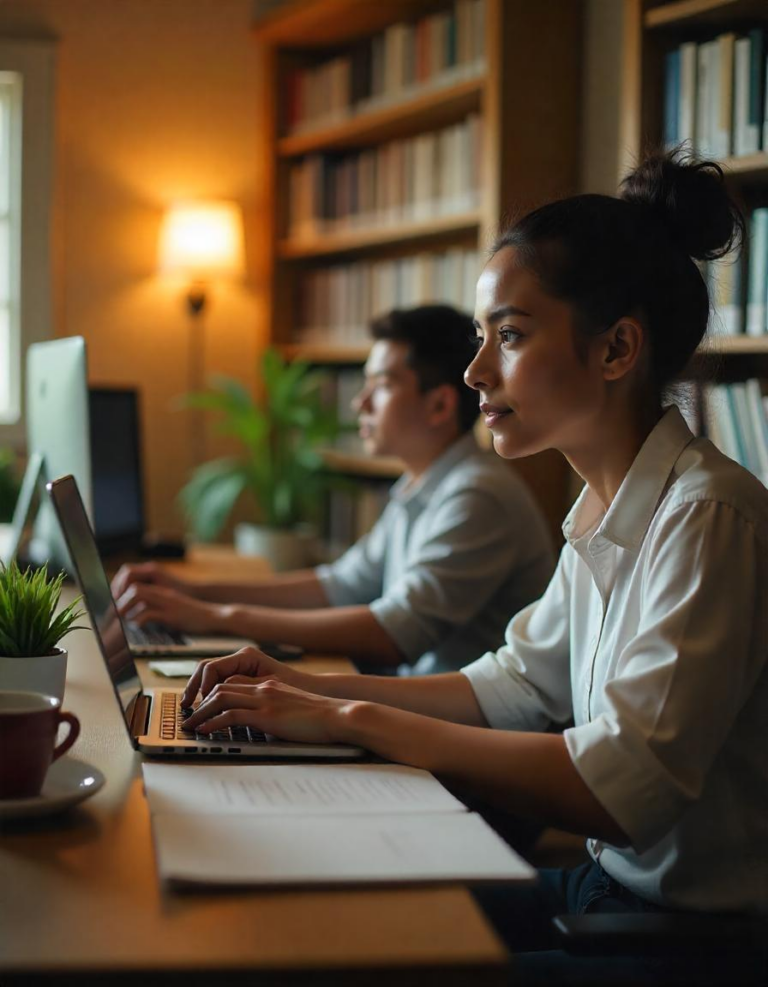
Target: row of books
x,y
738,285
337,303
736,419
352,513
715,95
410,180
393,65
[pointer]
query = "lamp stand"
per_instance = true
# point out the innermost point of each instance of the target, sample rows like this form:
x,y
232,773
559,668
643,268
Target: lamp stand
x,y
196,369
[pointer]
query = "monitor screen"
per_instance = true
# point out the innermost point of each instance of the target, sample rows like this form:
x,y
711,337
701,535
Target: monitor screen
x,y
58,430
118,507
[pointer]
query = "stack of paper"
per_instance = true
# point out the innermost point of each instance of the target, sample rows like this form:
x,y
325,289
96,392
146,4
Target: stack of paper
x,y
318,824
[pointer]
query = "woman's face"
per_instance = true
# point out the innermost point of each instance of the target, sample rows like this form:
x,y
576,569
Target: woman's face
x,y
536,391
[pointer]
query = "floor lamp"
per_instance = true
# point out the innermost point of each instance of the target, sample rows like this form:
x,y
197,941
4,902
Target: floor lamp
x,y
201,241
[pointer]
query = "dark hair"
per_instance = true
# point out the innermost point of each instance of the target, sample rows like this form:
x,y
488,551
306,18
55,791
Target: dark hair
x,y
634,254
440,348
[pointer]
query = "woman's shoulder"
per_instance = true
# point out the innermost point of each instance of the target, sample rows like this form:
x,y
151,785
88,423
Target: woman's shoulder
x,y
704,474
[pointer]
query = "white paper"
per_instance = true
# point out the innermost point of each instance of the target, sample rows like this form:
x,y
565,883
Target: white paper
x,y
295,789
175,669
263,851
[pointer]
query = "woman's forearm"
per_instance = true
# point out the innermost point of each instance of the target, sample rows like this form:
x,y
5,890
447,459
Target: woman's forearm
x,y
529,774
446,697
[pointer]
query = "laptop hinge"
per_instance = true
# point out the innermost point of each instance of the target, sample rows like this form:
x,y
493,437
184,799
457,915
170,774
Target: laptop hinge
x,y
138,711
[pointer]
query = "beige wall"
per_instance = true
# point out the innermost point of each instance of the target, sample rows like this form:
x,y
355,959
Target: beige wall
x,y
602,81
156,100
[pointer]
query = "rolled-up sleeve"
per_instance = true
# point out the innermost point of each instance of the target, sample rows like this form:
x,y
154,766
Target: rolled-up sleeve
x,y
526,684
682,680
464,558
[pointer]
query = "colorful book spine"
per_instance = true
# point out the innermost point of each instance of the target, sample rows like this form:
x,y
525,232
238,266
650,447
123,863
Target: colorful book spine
x,y
757,276
672,97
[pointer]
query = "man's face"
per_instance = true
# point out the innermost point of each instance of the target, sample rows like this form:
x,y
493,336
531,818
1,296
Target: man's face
x,y
390,408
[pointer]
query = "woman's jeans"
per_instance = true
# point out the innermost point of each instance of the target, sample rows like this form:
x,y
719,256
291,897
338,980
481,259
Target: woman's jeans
x,y
523,918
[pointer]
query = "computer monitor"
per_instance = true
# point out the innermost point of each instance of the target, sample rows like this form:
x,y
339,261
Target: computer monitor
x,y
58,431
118,502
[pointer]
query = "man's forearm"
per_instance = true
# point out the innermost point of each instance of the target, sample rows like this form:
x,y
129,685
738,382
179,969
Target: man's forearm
x,y
291,590
350,631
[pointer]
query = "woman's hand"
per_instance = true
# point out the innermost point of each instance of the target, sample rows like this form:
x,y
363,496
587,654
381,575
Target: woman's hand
x,y
147,572
272,707
144,603
240,669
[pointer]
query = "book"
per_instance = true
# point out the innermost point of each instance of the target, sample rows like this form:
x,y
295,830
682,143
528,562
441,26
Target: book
x,y
756,407
757,274
687,78
672,97
318,825
722,97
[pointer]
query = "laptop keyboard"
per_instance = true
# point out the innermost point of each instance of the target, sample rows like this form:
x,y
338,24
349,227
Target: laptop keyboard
x,y
173,715
154,634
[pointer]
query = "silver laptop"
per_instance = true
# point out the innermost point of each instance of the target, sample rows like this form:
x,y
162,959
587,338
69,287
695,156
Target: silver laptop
x,y
154,718
148,641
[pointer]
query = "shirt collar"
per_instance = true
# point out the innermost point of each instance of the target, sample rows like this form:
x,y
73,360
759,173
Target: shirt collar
x,y
626,520
407,489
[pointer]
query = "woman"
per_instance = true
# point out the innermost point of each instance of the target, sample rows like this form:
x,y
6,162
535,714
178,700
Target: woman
x,y
653,633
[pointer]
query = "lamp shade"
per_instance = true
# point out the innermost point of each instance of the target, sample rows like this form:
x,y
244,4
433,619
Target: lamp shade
x,y
202,240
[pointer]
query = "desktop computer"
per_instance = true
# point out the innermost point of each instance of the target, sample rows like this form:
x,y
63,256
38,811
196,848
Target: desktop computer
x,y
91,433
57,424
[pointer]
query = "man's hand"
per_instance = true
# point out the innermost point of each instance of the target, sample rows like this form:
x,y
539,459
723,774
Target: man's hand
x,y
241,668
147,572
272,707
144,603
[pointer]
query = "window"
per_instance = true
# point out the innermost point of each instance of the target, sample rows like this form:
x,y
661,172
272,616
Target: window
x,y
26,178
10,244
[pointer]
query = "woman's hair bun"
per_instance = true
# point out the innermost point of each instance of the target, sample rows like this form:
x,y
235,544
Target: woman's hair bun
x,y
689,198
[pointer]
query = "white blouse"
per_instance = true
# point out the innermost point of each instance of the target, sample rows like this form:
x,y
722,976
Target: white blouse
x,y
653,636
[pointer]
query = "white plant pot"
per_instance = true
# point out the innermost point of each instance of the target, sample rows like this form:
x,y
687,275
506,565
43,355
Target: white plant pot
x,y
283,550
46,674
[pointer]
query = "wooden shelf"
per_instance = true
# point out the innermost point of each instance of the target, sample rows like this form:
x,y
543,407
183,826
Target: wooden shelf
x,y
757,345
705,11
749,166
437,107
379,467
320,353
341,243
324,23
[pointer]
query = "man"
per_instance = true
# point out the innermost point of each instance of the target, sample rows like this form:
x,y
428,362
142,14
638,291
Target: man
x,y
459,549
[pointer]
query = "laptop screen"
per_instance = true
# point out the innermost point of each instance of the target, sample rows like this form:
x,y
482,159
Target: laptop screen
x,y
94,586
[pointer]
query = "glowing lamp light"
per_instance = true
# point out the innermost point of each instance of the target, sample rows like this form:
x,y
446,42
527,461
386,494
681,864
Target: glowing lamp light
x,y
202,241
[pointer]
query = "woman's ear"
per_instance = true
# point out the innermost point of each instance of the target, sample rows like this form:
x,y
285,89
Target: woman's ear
x,y
623,344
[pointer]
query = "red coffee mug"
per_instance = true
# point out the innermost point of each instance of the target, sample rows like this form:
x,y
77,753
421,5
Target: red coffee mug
x,y
29,722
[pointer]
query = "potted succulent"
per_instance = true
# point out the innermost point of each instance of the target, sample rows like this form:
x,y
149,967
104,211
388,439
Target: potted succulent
x,y
30,630
280,470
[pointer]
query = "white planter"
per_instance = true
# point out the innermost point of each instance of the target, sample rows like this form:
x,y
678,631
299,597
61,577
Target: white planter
x,y
283,550
46,674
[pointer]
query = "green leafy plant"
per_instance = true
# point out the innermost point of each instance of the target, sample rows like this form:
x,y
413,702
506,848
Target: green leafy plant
x,y
29,624
281,468
9,484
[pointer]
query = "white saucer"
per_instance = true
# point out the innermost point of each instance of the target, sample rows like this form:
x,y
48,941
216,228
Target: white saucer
x,y
68,782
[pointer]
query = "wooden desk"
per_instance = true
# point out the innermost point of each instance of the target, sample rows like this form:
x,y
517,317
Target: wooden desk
x,y
79,896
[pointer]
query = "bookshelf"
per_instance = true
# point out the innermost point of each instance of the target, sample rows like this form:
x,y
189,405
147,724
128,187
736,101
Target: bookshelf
x,y
654,111
455,139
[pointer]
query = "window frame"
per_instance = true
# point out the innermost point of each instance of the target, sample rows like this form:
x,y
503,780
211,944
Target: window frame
x,y
35,62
